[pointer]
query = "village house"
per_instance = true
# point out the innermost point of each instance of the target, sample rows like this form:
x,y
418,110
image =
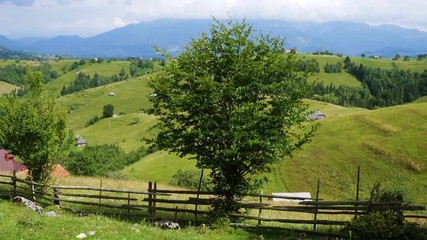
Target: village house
x,y
80,142
8,163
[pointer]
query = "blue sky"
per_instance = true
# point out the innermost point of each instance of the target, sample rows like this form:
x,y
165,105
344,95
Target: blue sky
x,y
48,18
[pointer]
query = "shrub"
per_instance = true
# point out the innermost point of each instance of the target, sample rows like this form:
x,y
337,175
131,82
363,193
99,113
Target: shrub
x,y
189,179
382,226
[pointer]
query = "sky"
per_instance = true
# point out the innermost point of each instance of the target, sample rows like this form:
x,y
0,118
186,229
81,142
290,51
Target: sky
x,y
85,18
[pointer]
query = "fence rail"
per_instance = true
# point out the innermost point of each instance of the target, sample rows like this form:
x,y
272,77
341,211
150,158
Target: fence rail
x,y
258,210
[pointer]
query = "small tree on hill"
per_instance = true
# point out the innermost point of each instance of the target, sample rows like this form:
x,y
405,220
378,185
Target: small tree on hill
x,y
108,111
233,101
33,128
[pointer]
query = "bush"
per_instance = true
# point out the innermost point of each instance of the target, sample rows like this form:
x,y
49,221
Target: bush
x,y
108,111
189,179
101,160
382,226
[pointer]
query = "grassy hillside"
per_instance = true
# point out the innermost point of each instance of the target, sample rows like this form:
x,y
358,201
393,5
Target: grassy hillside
x,y
6,87
106,68
389,144
130,97
125,131
159,166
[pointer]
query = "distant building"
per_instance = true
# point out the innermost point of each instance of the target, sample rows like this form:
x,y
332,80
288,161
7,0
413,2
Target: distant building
x,y
111,94
80,142
8,163
317,115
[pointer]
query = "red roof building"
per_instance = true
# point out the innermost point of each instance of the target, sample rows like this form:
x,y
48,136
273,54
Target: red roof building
x,y
8,163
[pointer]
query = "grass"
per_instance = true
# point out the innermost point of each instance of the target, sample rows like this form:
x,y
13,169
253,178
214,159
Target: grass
x,y
125,131
17,222
159,166
342,78
6,88
130,97
66,77
389,144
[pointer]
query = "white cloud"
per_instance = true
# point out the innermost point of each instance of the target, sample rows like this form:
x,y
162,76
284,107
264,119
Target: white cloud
x,y
90,17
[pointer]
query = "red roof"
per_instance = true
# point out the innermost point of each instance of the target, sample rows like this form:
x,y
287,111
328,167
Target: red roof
x,y
8,163
58,171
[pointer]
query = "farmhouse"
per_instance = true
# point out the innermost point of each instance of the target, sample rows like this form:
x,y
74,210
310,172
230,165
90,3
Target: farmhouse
x,y
8,163
317,115
80,142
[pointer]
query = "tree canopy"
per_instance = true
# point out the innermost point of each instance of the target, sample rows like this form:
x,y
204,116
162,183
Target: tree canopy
x,y
33,128
233,101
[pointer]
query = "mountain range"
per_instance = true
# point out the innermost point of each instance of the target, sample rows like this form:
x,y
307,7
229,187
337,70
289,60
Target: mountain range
x,y
137,40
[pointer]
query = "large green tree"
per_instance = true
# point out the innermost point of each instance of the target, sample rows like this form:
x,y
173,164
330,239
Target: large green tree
x,y
233,101
33,127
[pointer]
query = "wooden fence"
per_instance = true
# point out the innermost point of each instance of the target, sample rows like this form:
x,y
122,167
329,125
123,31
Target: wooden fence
x,y
257,210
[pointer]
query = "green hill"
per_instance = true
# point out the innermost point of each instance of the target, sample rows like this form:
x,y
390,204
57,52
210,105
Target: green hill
x,y
130,97
106,68
388,143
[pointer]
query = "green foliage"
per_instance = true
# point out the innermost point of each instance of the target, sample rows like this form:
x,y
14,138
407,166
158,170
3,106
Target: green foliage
x,y
17,74
33,127
92,121
233,101
140,67
190,179
333,68
382,226
107,111
101,160
381,87
84,81
310,65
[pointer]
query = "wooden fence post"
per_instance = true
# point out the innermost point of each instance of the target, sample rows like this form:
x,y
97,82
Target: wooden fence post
x,y
260,210
154,200
317,200
14,184
33,193
197,196
150,199
128,205
100,196
55,197
357,189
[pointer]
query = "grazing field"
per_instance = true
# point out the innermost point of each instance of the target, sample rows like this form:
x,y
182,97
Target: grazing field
x,y
6,88
17,222
130,97
106,68
389,143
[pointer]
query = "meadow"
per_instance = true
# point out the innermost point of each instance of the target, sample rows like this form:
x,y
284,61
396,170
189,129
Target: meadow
x,y
388,143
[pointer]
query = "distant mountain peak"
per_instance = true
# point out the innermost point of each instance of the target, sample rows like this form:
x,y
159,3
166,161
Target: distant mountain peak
x,y
137,39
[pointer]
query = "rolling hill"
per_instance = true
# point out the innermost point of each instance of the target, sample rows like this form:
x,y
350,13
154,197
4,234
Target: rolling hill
x,y
388,143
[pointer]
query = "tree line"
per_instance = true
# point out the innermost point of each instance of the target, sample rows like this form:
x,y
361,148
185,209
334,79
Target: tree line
x,y
84,81
380,87
17,75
